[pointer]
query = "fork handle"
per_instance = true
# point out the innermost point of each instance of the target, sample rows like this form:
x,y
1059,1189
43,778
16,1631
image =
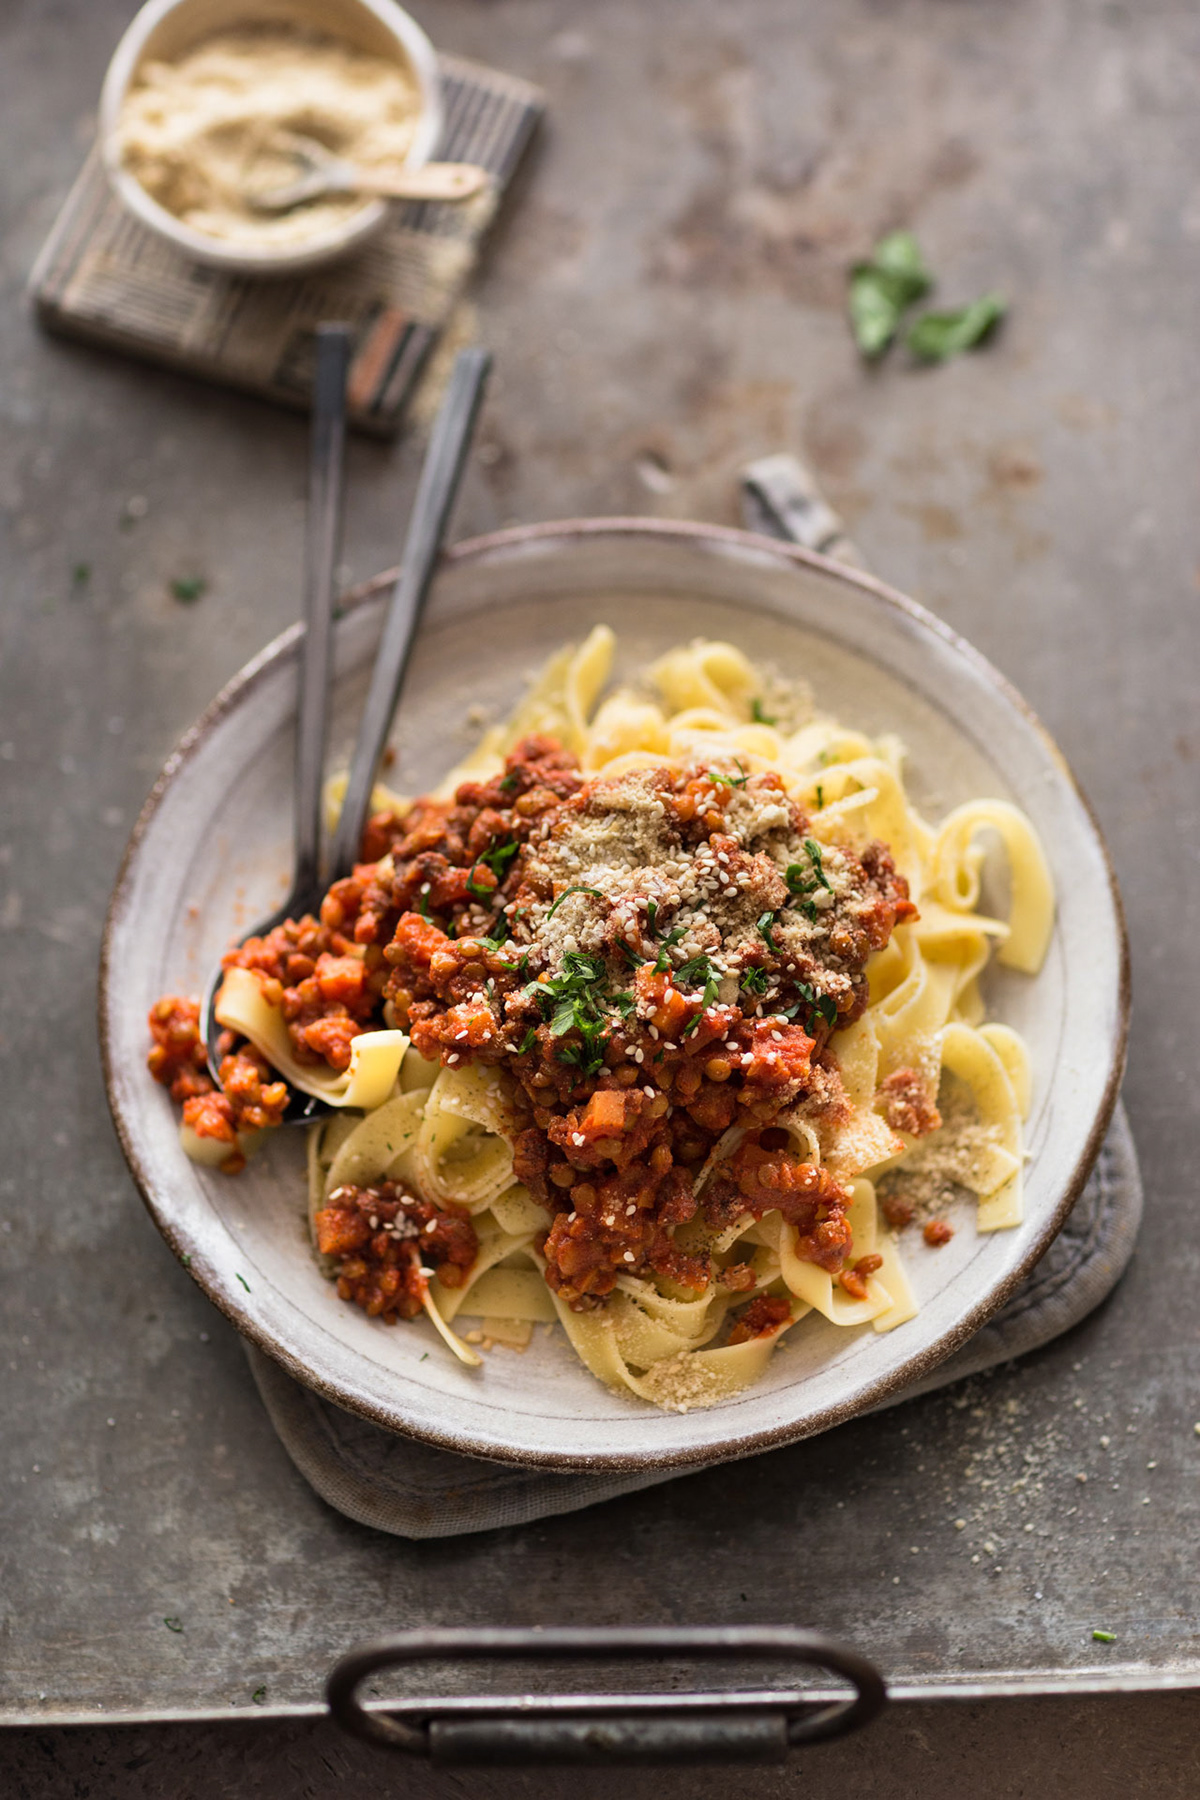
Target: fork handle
x,y
440,476
434,181
325,482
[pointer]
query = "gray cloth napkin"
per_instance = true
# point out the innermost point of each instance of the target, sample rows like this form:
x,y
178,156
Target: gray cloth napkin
x,y
395,1484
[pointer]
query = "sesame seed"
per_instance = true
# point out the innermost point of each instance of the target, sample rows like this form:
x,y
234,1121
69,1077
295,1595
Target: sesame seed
x,y
629,1256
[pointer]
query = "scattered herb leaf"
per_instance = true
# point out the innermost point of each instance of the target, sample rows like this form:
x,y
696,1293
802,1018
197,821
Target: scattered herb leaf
x,y
186,1259
259,1695
937,336
499,934
81,574
805,881
173,1624
731,781
662,961
496,857
692,973
758,715
508,782
763,926
893,277
822,1004
754,980
189,587
528,1041
243,1281
1105,1637
573,890
651,916
814,855
820,797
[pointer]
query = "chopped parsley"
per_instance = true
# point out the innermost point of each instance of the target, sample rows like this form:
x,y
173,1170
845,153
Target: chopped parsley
x,y
732,781
572,890
173,1624
804,881
758,715
497,858
763,925
823,1005
820,797
499,934
578,1001
508,782
754,980
1105,1637
697,970
423,906
243,1281
662,961
528,1041
259,1696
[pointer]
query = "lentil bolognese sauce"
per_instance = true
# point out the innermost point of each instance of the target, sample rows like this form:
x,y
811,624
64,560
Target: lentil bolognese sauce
x,y
654,979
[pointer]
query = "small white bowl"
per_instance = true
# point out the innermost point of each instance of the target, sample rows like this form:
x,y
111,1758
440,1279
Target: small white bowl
x,y
165,30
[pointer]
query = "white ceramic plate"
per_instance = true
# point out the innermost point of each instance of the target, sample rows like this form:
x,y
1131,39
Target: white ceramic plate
x,y
210,855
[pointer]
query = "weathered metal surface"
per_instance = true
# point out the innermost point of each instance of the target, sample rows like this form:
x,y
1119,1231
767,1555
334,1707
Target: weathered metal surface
x,y
652,331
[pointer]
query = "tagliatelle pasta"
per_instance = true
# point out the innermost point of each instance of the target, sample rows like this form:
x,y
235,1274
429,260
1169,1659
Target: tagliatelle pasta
x,y
661,1020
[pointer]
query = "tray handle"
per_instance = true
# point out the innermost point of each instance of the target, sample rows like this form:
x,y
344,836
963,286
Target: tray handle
x,y
608,1729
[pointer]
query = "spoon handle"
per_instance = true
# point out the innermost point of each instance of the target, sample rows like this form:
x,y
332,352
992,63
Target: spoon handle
x,y
321,548
434,181
445,460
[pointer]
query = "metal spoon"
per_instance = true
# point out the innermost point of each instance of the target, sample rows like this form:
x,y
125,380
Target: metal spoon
x,y
441,474
320,172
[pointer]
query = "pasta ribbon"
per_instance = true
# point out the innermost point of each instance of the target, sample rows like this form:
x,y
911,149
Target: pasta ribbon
x,y
375,1056
462,1153
958,865
970,1056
